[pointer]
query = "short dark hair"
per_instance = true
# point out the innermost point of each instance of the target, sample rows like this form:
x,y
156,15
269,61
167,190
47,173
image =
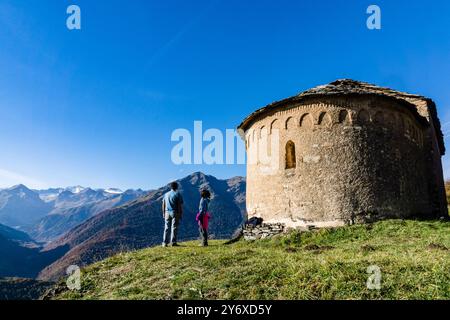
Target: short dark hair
x,y
174,186
206,194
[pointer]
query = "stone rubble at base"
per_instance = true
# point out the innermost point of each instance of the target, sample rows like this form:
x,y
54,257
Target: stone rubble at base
x,y
268,230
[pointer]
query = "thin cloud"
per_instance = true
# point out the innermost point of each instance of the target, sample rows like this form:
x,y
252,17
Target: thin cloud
x,y
161,51
9,178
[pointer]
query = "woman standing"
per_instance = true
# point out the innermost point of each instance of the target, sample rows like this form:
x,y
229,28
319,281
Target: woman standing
x,y
203,216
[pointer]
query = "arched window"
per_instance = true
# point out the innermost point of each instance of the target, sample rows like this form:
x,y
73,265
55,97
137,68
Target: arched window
x,y
290,155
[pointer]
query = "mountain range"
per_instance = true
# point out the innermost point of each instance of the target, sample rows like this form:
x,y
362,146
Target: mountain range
x,y
85,225
21,207
72,207
139,223
47,214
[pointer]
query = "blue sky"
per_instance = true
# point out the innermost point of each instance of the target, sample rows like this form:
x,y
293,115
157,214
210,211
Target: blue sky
x,y
97,107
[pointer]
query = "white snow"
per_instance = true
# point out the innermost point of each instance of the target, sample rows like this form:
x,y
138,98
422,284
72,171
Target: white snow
x,y
76,189
113,191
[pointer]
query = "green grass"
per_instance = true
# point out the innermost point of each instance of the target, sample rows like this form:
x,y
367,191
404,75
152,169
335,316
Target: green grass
x,y
413,256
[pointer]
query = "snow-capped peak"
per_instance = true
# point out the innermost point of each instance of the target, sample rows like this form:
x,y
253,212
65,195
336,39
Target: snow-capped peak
x,y
113,191
76,189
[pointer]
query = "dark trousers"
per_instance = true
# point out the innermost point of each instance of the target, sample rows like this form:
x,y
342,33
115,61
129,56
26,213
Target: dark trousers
x,y
203,235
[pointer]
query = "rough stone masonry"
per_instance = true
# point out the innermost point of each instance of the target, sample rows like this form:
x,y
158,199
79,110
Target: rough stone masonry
x,y
347,152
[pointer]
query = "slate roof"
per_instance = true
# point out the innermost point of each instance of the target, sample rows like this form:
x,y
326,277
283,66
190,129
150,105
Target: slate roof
x,y
348,87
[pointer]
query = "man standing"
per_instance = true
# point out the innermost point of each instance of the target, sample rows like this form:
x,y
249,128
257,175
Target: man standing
x,y
172,207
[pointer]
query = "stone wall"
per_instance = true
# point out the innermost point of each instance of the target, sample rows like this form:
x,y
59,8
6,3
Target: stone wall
x,y
262,231
357,159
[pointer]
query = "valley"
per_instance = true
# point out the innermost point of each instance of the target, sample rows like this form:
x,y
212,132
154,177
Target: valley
x,y
82,225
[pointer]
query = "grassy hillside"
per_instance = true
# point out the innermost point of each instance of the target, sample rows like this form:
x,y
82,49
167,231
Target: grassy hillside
x,y
139,224
414,258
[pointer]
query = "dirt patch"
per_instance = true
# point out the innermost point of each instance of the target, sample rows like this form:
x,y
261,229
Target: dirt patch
x,y
128,268
317,249
368,248
437,246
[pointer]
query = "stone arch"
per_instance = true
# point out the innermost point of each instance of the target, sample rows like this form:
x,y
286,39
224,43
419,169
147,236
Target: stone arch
x,y
274,125
344,117
262,131
324,119
249,138
378,118
306,121
273,134
290,159
289,123
263,135
390,120
420,137
263,141
415,134
399,122
363,116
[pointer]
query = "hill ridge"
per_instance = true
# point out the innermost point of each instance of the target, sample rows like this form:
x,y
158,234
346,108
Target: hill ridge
x,y
320,264
138,224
